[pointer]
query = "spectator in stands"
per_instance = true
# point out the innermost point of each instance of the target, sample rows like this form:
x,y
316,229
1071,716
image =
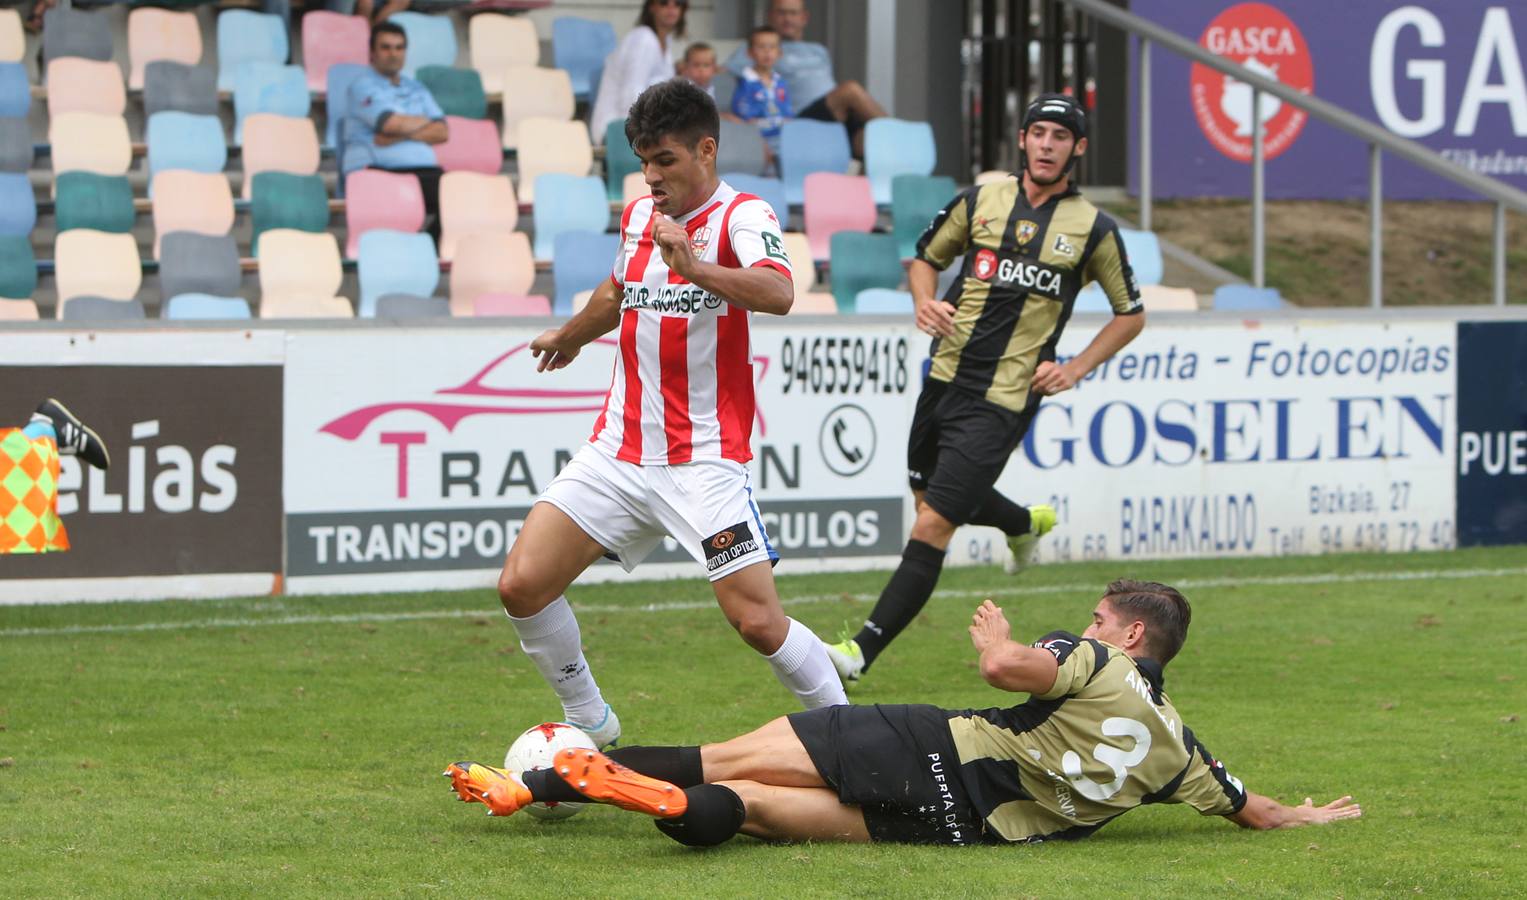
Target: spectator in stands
x,y
52,432
761,97
394,121
377,13
807,68
643,58
699,67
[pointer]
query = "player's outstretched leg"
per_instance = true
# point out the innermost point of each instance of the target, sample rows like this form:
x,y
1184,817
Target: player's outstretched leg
x,y
500,790
599,778
72,436
797,656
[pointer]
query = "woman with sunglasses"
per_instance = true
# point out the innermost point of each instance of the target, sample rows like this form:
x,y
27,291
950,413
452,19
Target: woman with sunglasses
x,y
643,58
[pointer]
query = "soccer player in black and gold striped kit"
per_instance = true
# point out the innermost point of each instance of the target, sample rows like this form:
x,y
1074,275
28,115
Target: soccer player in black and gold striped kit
x,y
1097,737
1026,246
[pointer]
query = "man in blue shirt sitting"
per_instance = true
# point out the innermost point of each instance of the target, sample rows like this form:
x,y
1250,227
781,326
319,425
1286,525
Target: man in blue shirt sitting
x,y
394,121
807,68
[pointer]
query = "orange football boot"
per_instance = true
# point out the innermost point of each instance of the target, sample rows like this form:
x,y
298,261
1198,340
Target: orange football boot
x,y
499,789
604,780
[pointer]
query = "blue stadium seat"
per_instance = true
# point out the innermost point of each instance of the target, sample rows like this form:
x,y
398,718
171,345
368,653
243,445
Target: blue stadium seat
x,y
580,46
807,146
769,190
395,262
337,99
431,41
178,140
244,36
18,205
883,301
580,260
896,147
1144,252
1247,298
567,203
16,148
268,88
15,91
204,306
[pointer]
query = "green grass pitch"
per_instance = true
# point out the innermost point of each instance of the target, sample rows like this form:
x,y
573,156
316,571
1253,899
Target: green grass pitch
x,y
293,746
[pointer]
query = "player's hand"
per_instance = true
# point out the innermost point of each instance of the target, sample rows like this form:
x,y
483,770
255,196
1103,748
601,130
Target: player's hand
x,y
673,241
551,352
935,317
1335,811
1050,378
988,627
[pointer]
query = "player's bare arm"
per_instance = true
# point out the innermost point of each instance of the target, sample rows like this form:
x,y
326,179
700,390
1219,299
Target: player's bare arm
x,y
556,347
1053,378
1263,813
1005,663
760,289
934,316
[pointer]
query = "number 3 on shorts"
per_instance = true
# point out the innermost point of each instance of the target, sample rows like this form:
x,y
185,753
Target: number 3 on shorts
x,y
1113,757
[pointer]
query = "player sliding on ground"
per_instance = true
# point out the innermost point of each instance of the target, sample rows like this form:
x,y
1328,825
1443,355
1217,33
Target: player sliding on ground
x,y
1027,246
669,452
1097,738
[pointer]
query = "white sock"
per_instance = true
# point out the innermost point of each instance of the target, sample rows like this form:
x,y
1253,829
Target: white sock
x,y
802,665
551,639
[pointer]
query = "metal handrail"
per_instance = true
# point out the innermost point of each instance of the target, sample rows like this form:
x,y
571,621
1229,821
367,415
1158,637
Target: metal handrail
x,y
1377,138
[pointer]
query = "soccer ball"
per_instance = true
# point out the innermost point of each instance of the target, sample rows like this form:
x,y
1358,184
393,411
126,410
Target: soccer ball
x,y
535,749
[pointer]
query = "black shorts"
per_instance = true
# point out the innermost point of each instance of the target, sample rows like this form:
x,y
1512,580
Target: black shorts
x,y
959,444
898,764
821,112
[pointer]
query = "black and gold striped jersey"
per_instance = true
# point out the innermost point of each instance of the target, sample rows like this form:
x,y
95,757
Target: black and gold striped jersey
x,y
1021,269
1102,741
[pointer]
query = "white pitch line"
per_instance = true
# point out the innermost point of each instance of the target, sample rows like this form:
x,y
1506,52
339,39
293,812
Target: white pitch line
x,y
1087,588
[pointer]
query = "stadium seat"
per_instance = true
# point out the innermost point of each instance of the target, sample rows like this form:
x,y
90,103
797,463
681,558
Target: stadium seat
x,y
15,91
883,302
275,143
18,267
724,84
178,140
740,148
191,263
160,35
993,175
96,264
330,38
769,190
915,200
536,94
72,32
13,40
567,203
285,201
204,306
18,204
458,91
814,303
1158,298
896,147
16,148
1144,252
803,269
471,202
395,262
581,299
101,309
1244,297
619,159
862,261
268,88
580,261
496,42
90,142
506,305
85,85
337,99
200,202
96,202
579,47
172,86
411,306
244,36
471,145
490,263
836,203
431,41
1090,299
378,199
556,147
634,188
23,310
300,275
807,146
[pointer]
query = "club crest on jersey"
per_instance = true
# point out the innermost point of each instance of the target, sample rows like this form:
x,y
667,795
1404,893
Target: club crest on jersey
x,y
700,240
1063,246
985,265
1026,231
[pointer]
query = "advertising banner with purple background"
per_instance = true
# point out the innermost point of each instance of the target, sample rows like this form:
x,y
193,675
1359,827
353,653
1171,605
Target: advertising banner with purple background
x,y
1446,73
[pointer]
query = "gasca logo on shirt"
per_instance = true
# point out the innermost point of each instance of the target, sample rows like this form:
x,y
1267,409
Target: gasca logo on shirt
x,y
1023,275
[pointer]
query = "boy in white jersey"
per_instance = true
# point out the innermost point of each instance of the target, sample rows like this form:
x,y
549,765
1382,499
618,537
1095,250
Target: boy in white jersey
x,y
668,454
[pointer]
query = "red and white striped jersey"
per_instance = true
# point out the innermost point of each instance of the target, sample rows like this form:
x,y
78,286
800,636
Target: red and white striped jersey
x,y
683,383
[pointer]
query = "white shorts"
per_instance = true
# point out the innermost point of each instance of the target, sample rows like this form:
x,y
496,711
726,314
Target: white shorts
x,y
706,505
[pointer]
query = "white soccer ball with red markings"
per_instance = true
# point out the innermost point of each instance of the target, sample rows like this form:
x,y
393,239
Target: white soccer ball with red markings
x,y
535,749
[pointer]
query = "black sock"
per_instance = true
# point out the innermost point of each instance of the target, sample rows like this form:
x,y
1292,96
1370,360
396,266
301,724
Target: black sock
x,y
714,815
1000,512
904,597
676,765
546,787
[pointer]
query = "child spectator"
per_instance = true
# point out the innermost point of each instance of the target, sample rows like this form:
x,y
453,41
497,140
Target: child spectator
x,y
761,98
699,67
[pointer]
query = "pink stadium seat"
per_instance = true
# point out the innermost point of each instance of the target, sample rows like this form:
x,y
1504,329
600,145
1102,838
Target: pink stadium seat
x,y
512,305
17,310
191,201
275,143
85,85
13,39
803,270
96,264
498,42
472,146
490,263
473,203
634,187
329,38
818,303
535,93
159,35
90,142
836,203
377,199
550,146
300,275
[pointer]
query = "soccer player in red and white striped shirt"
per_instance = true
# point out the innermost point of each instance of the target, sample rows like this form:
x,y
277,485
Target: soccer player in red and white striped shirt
x,y
669,452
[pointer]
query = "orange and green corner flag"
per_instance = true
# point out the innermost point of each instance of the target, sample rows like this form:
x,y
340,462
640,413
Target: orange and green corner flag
x,y
29,520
